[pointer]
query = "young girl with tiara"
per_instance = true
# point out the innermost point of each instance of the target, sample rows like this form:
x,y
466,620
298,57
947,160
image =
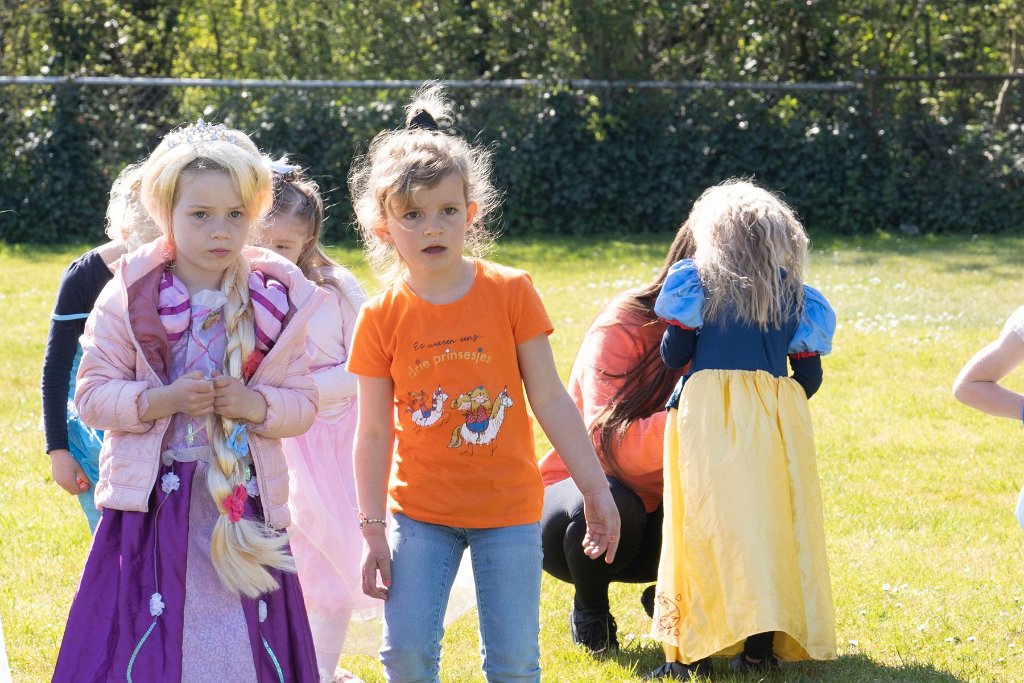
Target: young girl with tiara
x,y
978,385
743,565
324,534
73,446
195,366
442,355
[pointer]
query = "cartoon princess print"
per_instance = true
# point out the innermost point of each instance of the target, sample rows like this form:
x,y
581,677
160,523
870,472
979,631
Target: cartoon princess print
x,y
426,413
483,418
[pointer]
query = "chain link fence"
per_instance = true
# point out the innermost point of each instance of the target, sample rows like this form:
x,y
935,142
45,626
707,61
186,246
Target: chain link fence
x,y
572,157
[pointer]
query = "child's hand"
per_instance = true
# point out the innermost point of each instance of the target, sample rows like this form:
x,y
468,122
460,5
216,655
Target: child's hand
x,y
602,517
235,400
194,394
67,472
376,559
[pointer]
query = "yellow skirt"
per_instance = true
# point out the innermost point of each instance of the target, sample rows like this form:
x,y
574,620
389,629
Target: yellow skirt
x,y
743,544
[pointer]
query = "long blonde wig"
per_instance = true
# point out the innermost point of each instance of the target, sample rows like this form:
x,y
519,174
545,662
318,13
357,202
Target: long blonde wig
x,y
400,162
750,253
242,550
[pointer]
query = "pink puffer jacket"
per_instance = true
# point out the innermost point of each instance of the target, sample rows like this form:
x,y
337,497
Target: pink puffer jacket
x,y
125,352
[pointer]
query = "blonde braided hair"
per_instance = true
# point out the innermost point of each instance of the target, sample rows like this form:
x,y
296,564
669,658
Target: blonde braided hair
x,y
241,550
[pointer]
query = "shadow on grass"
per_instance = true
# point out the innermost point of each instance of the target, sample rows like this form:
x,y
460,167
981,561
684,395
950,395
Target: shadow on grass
x,y
848,669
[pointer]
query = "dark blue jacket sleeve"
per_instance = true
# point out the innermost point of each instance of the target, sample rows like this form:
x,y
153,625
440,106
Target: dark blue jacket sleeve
x,y
677,346
807,372
79,288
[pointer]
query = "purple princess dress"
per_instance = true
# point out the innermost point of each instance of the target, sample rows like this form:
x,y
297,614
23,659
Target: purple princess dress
x,y
150,606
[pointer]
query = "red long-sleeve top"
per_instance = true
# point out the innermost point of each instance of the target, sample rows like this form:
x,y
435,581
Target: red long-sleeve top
x,y
616,341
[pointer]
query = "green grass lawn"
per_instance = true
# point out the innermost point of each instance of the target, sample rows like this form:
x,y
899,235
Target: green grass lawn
x,y
918,490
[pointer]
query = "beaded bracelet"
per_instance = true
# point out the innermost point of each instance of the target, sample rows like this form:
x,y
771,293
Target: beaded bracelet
x,y
364,521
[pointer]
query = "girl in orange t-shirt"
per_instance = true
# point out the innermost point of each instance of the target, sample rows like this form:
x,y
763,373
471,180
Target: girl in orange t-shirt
x,y
470,335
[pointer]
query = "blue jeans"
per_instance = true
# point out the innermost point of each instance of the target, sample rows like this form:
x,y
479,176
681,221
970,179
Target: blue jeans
x,y
506,569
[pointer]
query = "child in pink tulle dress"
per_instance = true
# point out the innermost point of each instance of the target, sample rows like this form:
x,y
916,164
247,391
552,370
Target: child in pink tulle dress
x,y
325,536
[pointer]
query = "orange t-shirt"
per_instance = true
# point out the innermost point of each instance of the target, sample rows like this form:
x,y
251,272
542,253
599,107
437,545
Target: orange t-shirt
x,y
464,450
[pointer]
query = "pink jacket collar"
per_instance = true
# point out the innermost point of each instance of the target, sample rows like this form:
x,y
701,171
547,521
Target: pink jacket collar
x,y
139,263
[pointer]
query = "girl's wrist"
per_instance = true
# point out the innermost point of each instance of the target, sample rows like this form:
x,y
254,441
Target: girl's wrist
x,y
372,532
258,410
592,482
366,523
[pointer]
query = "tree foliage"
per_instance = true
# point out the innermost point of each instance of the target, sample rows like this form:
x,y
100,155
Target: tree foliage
x,y
567,39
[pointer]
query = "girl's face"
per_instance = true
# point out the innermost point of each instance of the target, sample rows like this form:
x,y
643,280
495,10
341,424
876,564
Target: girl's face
x,y
430,230
209,227
288,236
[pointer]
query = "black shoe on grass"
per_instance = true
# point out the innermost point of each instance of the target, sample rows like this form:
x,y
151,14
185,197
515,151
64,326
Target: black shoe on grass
x,y
742,664
647,600
677,671
594,629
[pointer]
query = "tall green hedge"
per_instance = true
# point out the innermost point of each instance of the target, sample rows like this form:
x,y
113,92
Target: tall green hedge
x,y
572,162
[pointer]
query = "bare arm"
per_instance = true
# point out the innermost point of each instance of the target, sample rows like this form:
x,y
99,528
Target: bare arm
x,y
561,421
374,444
977,385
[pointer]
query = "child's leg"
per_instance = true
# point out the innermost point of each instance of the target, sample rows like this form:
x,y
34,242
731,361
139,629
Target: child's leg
x,y
756,656
563,528
329,629
759,647
507,569
424,561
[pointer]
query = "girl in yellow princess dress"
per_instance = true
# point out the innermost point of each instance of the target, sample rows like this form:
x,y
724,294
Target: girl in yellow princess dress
x,y
743,569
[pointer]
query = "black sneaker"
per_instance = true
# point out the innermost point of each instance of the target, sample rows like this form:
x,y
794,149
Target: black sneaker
x,y
740,664
677,671
594,629
647,600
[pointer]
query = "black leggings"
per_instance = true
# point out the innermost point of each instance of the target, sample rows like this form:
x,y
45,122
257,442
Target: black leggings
x,y
562,530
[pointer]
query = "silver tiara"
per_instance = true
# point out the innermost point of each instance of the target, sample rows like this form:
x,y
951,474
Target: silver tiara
x,y
200,133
